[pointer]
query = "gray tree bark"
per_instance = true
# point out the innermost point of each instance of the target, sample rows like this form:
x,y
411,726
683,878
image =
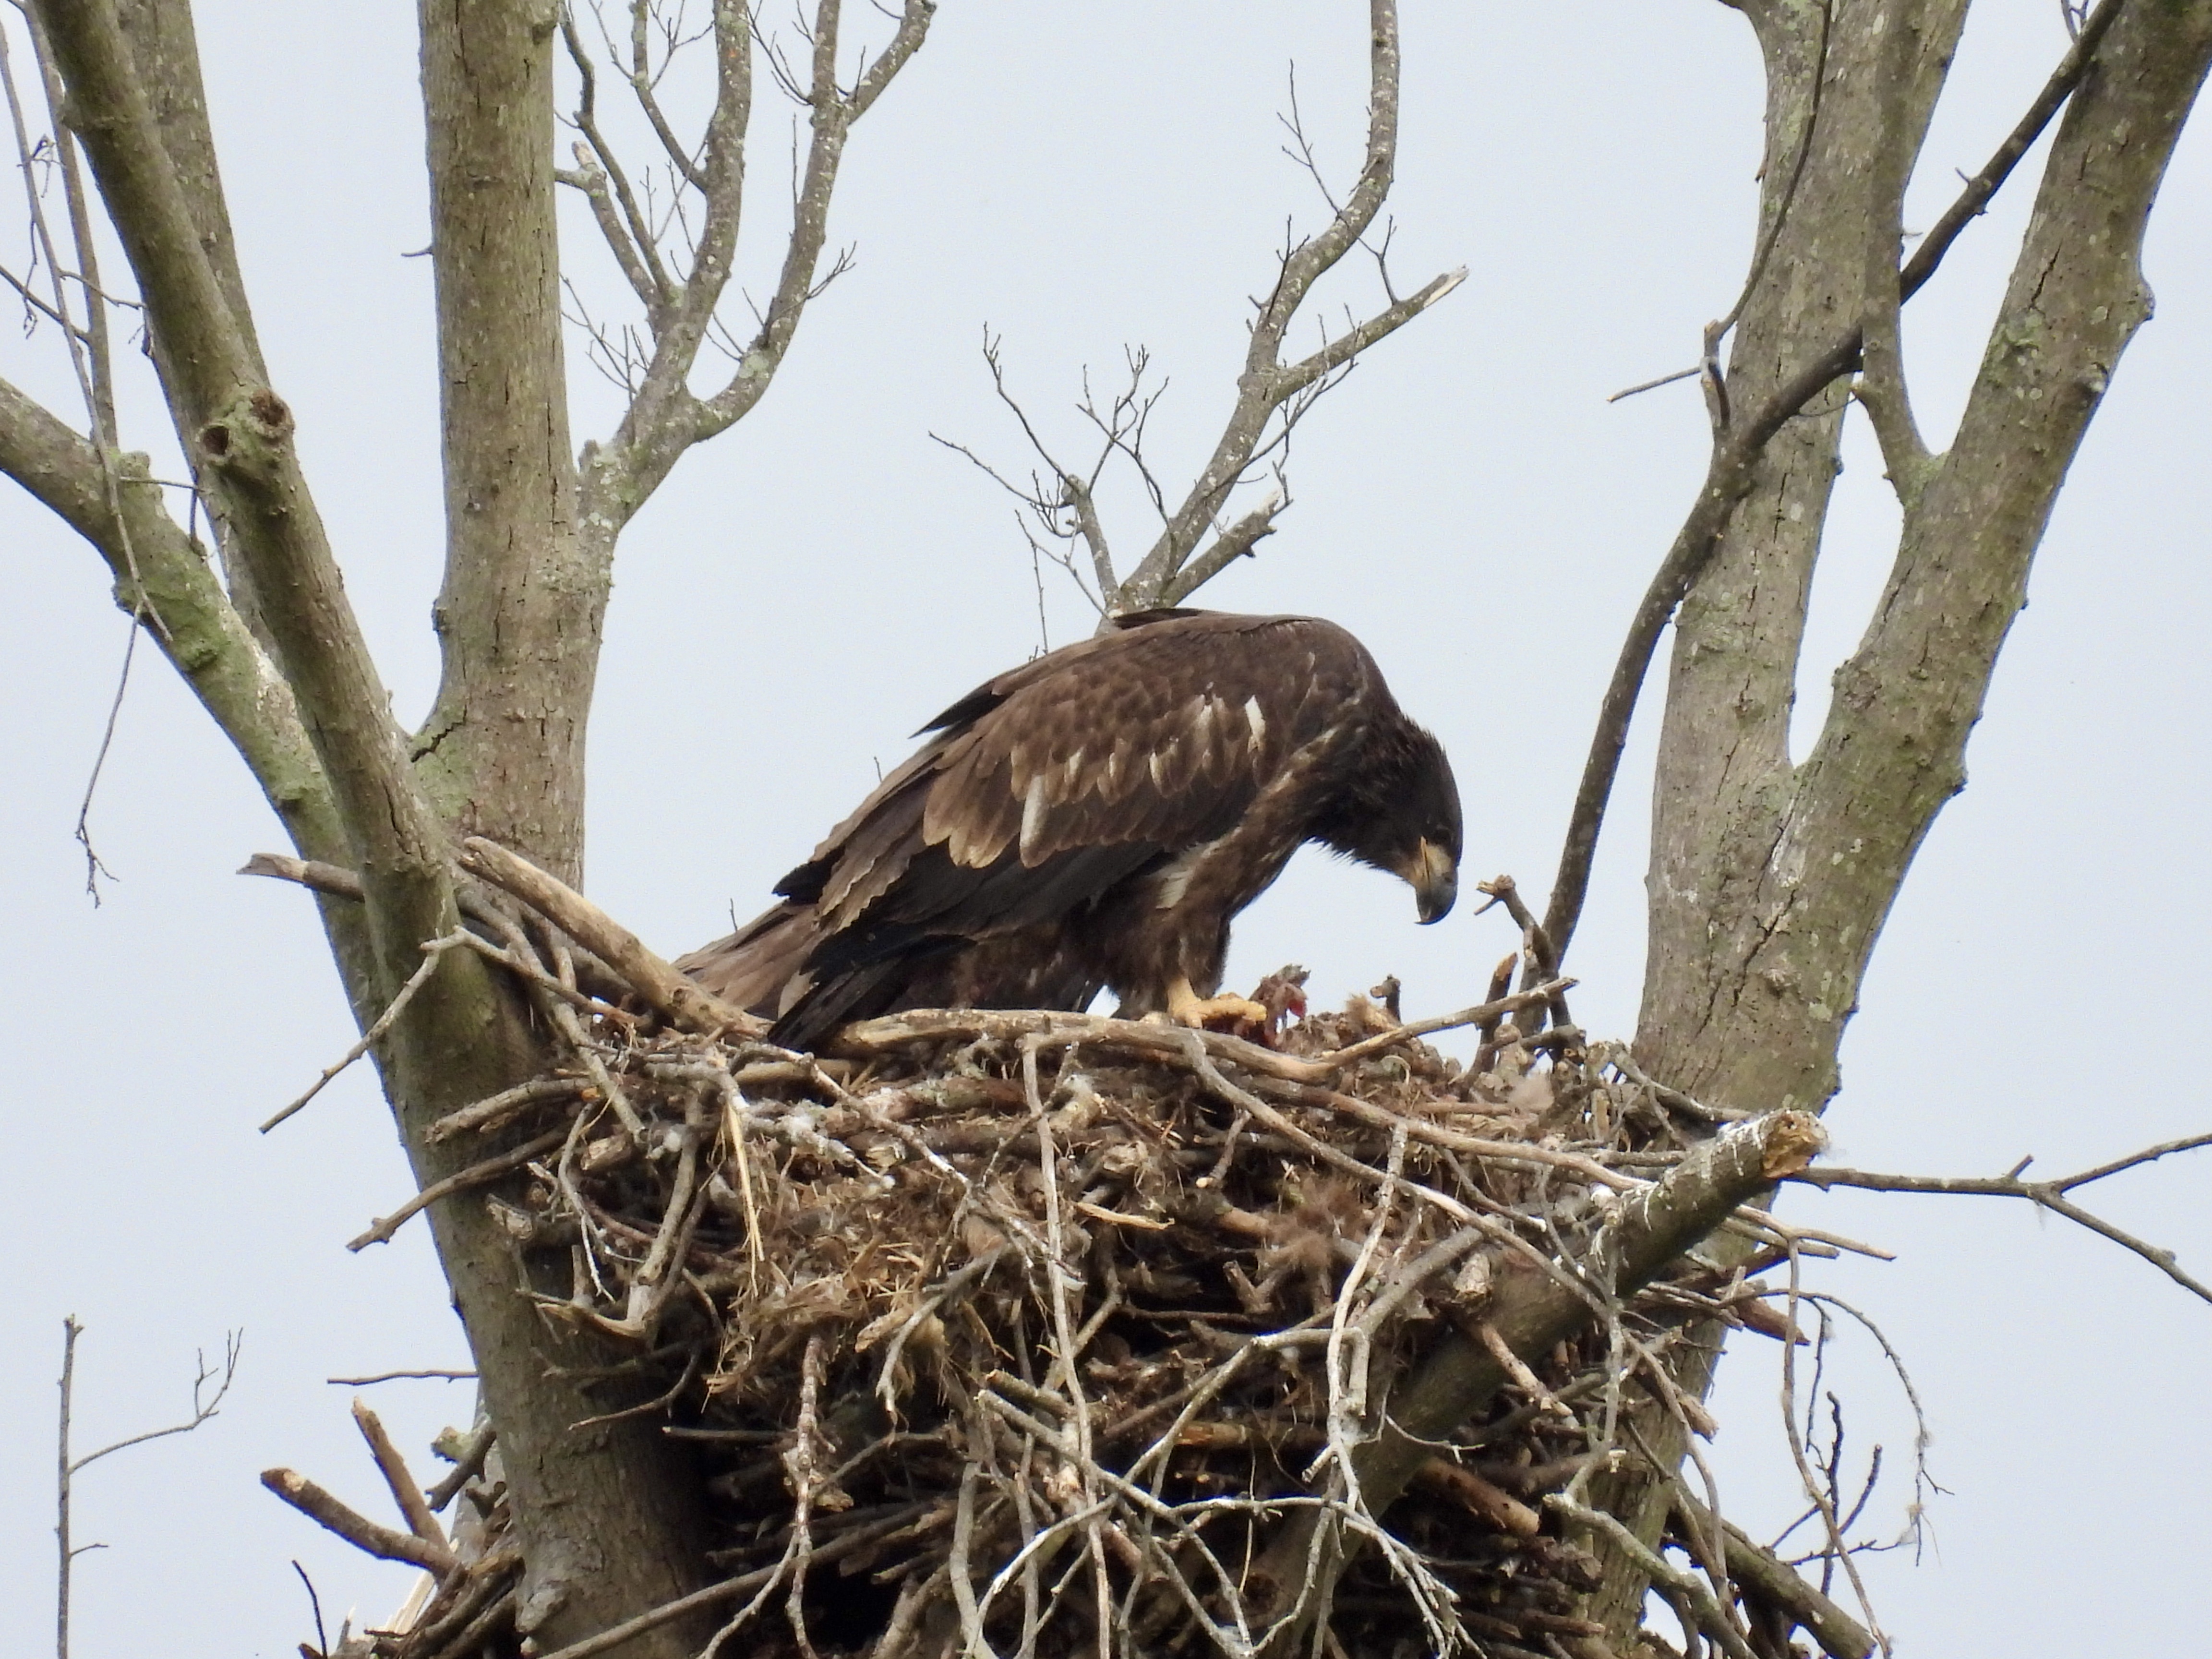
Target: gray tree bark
x,y
607,1515
1769,882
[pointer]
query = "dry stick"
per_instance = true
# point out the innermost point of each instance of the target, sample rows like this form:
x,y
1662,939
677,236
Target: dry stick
x,y
400,1376
1821,1502
1517,1368
475,1176
493,1112
499,1608
556,998
1774,1580
336,881
1065,1343
799,1468
433,952
393,1468
1709,1615
1552,990
674,997
1704,1545
363,1533
844,1544
2045,1195
1544,961
466,1467
1436,1134
896,1031
1735,452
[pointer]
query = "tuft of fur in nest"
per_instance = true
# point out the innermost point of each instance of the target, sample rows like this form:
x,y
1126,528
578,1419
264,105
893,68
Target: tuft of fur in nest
x,y
1006,1329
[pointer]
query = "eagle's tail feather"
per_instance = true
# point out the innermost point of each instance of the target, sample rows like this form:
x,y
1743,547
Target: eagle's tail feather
x,y
751,967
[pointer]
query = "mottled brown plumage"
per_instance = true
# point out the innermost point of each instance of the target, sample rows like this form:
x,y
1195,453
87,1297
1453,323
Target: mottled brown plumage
x,y
1094,818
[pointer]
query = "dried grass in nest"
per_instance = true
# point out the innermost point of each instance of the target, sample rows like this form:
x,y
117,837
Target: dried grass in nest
x,y
1009,1328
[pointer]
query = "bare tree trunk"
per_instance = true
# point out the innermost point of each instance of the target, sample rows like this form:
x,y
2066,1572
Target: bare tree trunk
x,y
1770,882
519,616
602,1512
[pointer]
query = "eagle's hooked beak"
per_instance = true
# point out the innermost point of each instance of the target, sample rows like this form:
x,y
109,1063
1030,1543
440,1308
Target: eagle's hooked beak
x,y
1435,876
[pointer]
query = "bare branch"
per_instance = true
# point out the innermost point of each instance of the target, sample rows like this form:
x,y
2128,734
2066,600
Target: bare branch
x,y
914,25
1348,345
1974,200
832,115
358,1530
99,369
206,641
210,1388
642,84
246,432
1235,543
631,236
591,179
1729,474
393,1468
433,951
664,418
382,1231
2044,1195
1266,384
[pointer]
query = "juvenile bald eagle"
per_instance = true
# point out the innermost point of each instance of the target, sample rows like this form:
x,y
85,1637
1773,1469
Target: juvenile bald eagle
x,y
1094,818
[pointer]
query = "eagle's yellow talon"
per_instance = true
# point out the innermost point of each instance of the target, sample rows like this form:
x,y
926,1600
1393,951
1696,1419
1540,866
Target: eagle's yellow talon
x,y
1192,1010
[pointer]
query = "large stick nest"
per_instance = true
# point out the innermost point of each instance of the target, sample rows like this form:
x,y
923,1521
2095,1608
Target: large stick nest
x,y
1005,1329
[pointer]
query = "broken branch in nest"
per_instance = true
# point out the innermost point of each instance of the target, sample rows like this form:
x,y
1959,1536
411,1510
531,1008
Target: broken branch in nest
x,y
336,881
677,998
476,1174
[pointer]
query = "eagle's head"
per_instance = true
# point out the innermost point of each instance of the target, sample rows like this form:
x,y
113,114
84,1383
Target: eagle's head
x,y
1401,813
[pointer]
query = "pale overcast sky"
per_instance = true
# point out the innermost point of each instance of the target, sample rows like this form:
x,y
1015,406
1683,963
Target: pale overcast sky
x,y
1081,177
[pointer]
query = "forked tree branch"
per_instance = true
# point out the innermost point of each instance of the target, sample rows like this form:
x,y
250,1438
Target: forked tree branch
x,y
211,1387
2052,1195
201,634
1266,384
664,418
1736,448
834,113
244,432
628,232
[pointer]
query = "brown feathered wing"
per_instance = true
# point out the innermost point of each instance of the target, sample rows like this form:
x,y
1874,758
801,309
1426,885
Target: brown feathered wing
x,y
1039,797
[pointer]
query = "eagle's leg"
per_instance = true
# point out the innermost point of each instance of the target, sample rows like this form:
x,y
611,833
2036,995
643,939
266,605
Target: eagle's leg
x,y
1187,1007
